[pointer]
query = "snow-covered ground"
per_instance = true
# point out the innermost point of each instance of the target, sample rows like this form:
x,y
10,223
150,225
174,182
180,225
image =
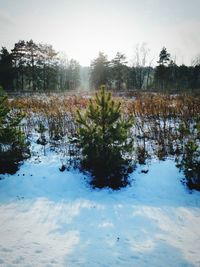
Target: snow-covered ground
x,y
53,218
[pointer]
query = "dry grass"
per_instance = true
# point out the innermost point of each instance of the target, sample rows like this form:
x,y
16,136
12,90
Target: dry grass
x,y
144,104
162,122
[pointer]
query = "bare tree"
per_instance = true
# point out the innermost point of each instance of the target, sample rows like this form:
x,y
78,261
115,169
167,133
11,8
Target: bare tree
x,y
196,60
142,66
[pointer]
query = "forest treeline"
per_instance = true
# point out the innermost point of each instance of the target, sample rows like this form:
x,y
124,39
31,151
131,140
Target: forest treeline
x,y
167,76
39,68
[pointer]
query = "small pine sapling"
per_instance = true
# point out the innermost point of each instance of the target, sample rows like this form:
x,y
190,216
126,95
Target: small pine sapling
x,y
105,141
13,144
42,139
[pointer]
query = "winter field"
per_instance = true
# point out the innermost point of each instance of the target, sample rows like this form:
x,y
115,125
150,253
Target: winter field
x,y
54,218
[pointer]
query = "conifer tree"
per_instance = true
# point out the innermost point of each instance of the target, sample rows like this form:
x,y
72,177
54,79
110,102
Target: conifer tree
x,y
100,71
119,69
164,57
13,147
103,136
161,75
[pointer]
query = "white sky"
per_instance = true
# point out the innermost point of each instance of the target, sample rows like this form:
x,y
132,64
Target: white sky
x,y
82,28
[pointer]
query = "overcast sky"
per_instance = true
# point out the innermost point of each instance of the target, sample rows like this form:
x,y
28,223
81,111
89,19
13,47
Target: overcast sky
x,y
82,28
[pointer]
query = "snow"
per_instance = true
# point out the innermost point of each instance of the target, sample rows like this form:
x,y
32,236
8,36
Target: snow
x,y
52,218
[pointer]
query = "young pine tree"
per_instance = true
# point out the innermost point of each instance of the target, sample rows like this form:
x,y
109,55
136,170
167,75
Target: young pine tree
x,y
13,147
104,139
191,164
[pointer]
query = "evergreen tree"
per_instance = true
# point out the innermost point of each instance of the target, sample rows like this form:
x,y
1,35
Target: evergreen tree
x,y
13,147
32,56
6,71
100,71
161,72
190,164
19,62
103,136
164,57
47,67
73,75
119,70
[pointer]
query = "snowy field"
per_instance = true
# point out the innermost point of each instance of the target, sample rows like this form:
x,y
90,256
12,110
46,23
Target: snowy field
x,y
52,218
